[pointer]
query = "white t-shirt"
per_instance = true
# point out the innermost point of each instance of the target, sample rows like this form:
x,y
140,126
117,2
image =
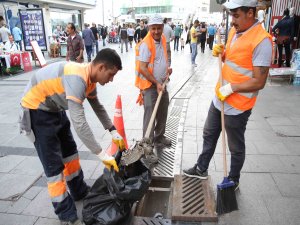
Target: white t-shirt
x,y
11,47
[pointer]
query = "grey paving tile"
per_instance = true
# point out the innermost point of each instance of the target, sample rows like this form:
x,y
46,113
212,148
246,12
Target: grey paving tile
x,y
271,148
279,121
18,206
288,184
190,144
98,171
46,221
8,163
88,167
252,210
32,192
4,205
292,163
41,206
30,166
14,185
287,130
283,210
14,219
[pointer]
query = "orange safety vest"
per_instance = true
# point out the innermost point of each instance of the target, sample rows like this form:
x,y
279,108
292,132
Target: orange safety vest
x,y
140,81
238,66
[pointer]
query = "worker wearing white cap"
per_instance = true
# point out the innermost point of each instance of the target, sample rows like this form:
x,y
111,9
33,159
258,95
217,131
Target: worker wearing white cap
x,y
247,59
151,71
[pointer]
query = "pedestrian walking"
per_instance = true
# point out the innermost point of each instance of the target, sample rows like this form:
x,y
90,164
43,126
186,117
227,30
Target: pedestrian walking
x,y
130,33
140,32
177,34
211,30
247,59
89,39
75,45
52,90
151,71
17,34
182,43
124,37
96,36
203,32
4,33
194,38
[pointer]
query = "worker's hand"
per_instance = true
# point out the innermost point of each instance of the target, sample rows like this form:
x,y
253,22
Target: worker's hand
x,y
218,49
118,140
108,161
159,88
224,91
78,59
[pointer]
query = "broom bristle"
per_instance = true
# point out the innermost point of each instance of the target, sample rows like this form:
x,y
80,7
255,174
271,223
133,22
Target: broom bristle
x,y
226,199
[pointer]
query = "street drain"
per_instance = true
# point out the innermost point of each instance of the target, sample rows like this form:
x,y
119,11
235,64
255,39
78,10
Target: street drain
x,y
168,157
193,200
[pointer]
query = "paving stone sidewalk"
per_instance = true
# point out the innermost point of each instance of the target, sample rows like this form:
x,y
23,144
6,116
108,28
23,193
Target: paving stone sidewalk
x,y
270,182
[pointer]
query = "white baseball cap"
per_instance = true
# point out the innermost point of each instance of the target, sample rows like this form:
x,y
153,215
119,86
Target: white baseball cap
x,y
233,4
155,19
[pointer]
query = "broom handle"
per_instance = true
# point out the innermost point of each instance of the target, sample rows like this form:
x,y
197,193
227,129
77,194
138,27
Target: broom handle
x,y
222,113
151,122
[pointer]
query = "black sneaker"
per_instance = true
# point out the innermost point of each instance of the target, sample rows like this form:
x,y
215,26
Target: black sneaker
x,y
195,172
163,141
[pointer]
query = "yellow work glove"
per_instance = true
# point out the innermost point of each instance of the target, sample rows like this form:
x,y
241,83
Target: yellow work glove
x,y
108,161
224,91
118,140
217,49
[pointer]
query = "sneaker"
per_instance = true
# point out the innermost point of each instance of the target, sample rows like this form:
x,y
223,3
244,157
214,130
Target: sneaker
x,y
195,172
76,222
194,65
163,141
82,196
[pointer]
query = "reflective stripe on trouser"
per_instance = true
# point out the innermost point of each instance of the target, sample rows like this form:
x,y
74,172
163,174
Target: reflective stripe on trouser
x,y
150,96
55,146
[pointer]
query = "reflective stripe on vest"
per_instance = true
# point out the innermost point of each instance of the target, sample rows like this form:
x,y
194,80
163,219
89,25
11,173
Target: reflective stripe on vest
x,y
238,66
140,81
57,188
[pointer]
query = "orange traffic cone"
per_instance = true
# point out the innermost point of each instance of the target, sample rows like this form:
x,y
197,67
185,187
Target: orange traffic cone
x,y
119,124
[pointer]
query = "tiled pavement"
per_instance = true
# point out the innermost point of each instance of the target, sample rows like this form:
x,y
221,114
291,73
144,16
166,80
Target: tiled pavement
x,y
270,182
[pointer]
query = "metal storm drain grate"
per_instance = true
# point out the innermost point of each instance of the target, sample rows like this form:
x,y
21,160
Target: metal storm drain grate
x,y
165,165
150,221
168,157
193,200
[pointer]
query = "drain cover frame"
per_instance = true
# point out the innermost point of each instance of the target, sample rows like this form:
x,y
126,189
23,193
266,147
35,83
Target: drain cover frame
x,y
193,200
137,220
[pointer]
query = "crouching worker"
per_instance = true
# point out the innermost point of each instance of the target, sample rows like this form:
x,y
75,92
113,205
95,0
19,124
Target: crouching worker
x,y
52,90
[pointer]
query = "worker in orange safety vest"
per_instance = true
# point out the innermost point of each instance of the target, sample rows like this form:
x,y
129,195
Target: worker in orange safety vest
x,y
247,59
151,71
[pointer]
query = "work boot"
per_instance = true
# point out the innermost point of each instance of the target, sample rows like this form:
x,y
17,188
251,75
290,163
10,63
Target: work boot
x,y
195,172
163,141
76,222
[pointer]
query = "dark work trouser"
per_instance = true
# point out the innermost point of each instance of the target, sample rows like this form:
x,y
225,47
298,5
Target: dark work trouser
x,y
211,41
287,49
150,96
89,50
235,127
176,43
58,153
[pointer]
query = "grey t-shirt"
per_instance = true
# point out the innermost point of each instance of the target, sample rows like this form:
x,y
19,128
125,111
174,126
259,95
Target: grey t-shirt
x,y
262,56
160,63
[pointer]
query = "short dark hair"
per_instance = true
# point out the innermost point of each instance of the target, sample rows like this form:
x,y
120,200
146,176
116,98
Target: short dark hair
x,y
109,57
165,20
286,12
72,26
196,21
245,9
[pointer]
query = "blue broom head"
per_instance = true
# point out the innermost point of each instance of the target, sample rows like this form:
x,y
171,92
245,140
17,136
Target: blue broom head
x,y
226,183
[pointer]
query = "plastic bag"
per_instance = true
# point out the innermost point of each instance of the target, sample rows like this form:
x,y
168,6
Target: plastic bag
x,y
113,194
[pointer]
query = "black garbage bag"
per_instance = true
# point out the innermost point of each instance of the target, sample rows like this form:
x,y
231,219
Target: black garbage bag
x,y
111,197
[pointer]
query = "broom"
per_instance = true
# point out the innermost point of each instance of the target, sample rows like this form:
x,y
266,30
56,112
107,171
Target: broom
x,y
226,199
